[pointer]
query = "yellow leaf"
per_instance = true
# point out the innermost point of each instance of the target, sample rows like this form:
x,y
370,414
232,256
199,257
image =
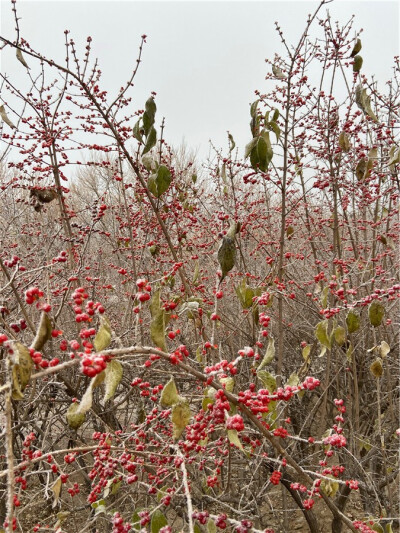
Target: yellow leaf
x,y
56,488
180,416
113,376
102,339
169,395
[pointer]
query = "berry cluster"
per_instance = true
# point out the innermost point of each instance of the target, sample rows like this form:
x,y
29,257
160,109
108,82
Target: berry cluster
x,y
275,477
235,422
33,294
79,296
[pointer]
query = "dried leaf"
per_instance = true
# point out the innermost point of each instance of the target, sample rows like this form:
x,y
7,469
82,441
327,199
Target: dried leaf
x,y
87,399
289,232
5,118
352,322
43,333
21,369
56,488
344,141
75,419
20,58
278,72
180,416
384,348
376,312
376,368
112,378
340,335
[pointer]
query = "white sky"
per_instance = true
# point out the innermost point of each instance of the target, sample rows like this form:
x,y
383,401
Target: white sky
x,y
204,59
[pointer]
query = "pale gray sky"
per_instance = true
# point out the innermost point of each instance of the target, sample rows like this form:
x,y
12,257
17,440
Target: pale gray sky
x,y
204,59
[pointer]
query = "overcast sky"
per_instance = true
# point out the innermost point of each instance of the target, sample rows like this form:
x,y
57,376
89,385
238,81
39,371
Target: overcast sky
x,y
204,59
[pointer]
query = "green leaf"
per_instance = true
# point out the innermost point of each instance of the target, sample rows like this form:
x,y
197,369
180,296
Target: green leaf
x,y
358,61
357,47
267,379
275,128
151,108
352,322
233,437
169,395
376,312
180,416
160,181
102,339
211,527
245,294
264,151
321,333
137,132
269,354
293,380
253,109
197,528
75,419
157,325
150,141
249,147
112,378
